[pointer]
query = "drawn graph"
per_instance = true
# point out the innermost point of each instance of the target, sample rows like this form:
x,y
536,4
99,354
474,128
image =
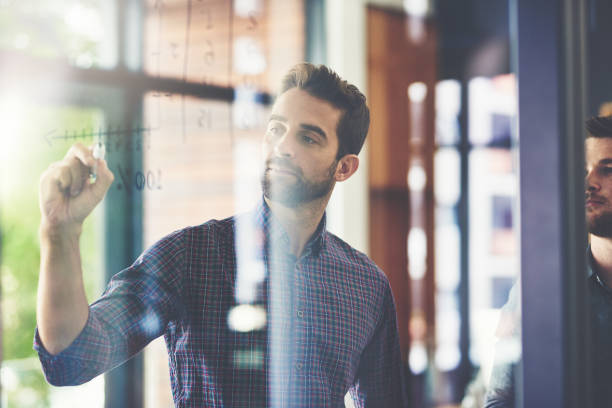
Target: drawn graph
x,y
191,41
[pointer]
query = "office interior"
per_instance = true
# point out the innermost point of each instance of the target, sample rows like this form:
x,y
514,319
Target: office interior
x,y
470,183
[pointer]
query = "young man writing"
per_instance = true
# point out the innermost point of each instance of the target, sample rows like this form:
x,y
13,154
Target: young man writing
x,y
334,307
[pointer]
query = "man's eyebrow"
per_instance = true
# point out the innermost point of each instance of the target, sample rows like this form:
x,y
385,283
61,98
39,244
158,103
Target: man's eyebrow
x,y
315,129
605,161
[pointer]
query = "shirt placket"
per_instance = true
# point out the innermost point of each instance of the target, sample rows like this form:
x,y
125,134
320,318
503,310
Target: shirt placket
x,y
300,343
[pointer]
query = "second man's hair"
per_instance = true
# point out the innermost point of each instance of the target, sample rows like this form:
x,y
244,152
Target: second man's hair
x,y
599,126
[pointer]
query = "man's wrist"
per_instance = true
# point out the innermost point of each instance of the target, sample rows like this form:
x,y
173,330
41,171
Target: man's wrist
x,y
58,233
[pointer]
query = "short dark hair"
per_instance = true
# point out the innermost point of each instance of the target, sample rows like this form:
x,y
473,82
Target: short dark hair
x,y
321,82
599,126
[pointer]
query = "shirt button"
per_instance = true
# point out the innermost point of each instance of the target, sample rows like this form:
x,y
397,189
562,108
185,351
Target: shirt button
x,y
300,314
299,366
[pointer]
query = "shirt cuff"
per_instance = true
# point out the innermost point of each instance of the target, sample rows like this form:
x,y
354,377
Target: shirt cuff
x,y
82,360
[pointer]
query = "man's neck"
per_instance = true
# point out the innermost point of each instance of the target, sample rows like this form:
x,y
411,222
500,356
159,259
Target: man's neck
x,y
300,222
601,248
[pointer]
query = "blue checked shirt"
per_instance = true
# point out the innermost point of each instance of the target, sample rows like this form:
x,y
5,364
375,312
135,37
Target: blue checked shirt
x,y
334,319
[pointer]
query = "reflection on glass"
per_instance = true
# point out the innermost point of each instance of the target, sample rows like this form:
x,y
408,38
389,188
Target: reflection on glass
x,y
492,107
417,358
447,193
447,173
210,152
417,253
448,106
494,262
447,261
80,32
25,152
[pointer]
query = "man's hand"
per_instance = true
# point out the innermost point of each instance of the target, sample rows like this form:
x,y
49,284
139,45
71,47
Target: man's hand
x,y
66,198
66,194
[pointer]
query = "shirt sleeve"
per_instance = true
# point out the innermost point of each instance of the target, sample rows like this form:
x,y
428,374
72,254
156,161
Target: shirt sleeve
x,y
501,390
381,373
500,393
135,308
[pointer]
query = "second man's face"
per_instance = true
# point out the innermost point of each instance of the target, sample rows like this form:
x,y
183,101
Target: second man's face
x,y
300,148
598,185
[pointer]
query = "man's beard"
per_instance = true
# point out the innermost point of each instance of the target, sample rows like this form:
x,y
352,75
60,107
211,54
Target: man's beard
x,y
600,225
301,191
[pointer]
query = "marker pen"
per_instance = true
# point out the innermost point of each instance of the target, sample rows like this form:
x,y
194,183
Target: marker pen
x,y
98,152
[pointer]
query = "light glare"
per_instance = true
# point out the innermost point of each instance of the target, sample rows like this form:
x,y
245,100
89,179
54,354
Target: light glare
x,y
417,360
417,91
416,178
246,318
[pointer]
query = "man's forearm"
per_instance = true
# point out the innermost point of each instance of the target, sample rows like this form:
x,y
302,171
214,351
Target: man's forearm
x,y
62,308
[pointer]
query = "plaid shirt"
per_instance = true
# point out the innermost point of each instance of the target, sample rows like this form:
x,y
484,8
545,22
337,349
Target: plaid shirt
x,y
332,325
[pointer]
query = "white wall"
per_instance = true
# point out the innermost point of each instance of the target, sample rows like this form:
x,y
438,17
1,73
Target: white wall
x,y
346,54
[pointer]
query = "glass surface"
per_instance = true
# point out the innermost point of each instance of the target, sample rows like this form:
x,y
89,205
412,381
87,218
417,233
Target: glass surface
x,y
599,63
598,103
492,235
220,42
448,107
186,160
493,249
25,152
81,33
204,155
494,256
198,159
212,173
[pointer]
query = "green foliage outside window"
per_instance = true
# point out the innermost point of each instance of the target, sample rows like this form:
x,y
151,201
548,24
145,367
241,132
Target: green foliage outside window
x,y
25,155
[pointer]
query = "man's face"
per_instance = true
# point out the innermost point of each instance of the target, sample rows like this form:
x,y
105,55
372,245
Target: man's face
x,y
598,185
300,148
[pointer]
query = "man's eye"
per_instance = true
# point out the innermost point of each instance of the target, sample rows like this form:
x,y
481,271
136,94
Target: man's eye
x,y
307,139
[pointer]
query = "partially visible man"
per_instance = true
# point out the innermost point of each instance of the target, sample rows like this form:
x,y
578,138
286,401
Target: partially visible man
x,y
598,209
334,310
598,149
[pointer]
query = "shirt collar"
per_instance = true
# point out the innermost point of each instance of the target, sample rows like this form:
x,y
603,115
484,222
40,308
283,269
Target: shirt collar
x,y
590,261
592,271
274,232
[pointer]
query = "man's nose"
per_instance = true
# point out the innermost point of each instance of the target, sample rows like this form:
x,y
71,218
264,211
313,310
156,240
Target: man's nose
x,y
283,146
591,183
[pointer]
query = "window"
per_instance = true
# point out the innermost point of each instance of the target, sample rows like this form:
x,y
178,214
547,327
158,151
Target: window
x,y
178,93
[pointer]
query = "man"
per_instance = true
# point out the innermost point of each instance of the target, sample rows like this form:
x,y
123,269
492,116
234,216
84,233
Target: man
x,y
334,309
598,208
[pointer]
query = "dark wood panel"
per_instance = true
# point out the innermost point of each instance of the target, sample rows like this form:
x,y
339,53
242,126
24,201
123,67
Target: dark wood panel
x,y
395,61
389,220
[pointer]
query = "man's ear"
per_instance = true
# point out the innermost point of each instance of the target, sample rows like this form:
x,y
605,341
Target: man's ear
x,y
346,167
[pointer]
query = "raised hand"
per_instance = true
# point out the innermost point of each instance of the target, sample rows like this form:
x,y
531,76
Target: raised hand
x,y
66,193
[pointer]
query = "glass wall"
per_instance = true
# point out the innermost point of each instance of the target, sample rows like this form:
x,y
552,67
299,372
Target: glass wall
x,y
37,119
178,93
25,155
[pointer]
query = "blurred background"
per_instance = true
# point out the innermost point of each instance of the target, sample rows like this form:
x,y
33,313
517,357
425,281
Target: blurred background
x,y
179,91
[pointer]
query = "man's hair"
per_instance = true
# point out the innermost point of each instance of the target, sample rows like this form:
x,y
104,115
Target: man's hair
x,y
321,82
599,126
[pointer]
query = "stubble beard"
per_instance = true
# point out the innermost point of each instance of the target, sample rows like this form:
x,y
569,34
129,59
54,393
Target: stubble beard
x,y
600,224
301,191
